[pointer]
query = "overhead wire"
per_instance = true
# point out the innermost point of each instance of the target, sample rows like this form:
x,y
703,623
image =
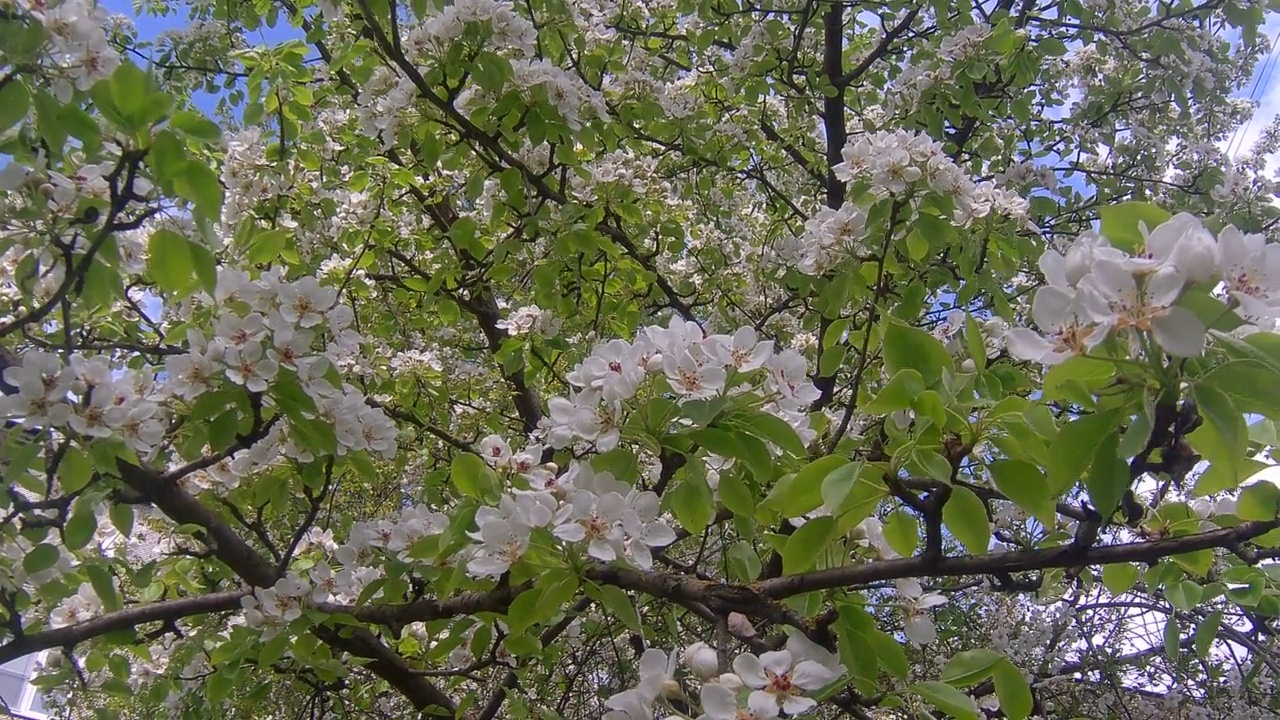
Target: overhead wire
x,y
1260,82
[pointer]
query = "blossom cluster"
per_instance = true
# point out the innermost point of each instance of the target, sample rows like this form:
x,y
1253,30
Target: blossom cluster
x,y
268,325
895,164
263,327
88,396
611,518
761,686
894,161
1095,290
355,564
531,320
695,366
77,43
919,76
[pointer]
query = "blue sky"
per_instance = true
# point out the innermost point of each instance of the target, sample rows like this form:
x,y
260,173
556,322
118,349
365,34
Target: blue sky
x,y
150,27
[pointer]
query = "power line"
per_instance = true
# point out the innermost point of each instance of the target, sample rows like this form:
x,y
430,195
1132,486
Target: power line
x,y
1260,82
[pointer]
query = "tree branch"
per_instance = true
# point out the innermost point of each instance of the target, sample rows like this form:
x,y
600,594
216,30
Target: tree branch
x,y
163,611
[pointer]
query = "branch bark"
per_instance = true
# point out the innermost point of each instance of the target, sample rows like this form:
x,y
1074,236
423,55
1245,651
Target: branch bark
x,y
166,610
1060,557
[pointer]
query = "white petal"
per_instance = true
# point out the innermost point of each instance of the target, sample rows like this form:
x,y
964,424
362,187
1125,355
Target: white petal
x,y
653,662
1027,344
762,699
797,705
920,630
762,704
658,534
777,661
1179,332
1164,287
718,701
570,532
910,588
811,675
747,667
931,600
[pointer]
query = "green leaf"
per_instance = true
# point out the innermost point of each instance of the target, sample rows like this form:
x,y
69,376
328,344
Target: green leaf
x,y
197,126
617,602
795,495
1026,486
1218,477
1073,448
48,122
902,532
198,183
966,517
100,579
1119,577
948,699
1121,222
472,476
1172,638
15,102
932,463
80,526
888,650
1258,501
1184,594
1206,632
1108,476
807,544
267,246
740,446
75,470
837,484
1250,593
735,494
1012,690
906,347
525,611
129,90
974,342
897,394
169,261
1223,438
970,667
122,518
744,562
42,557
773,429
1077,378
690,501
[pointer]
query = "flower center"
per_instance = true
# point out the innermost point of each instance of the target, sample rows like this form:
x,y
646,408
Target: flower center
x,y
1072,338
689,380
779,684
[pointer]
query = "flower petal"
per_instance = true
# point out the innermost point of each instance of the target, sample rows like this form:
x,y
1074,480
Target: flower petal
x,y
777,662
797,705
1179,332
811,675
748,667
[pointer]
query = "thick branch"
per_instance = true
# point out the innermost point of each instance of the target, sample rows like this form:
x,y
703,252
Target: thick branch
x,y
164,611
1061,557
237,554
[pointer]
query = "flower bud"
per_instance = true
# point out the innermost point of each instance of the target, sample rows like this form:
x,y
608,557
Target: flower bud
x,y
730,680
740,625
701,659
